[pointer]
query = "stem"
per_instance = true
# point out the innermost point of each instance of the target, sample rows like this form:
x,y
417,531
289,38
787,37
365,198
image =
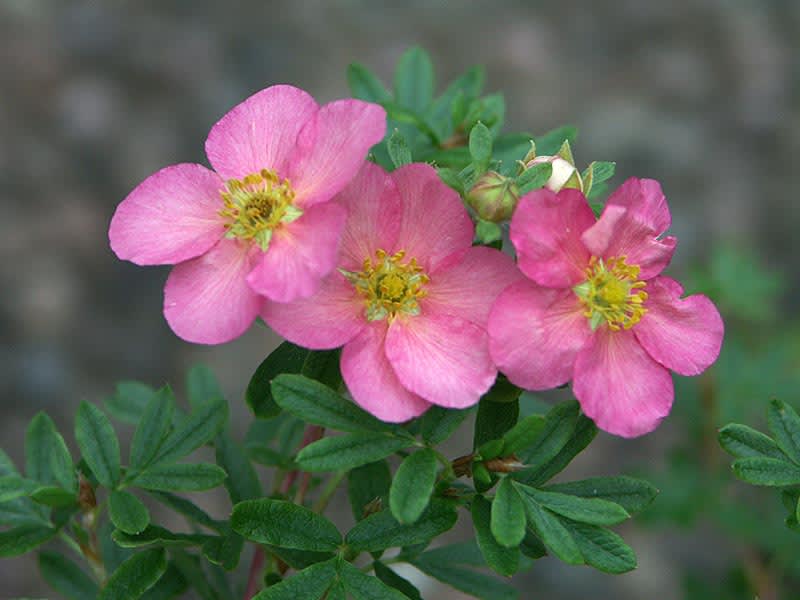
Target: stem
x,y
328,491
255,568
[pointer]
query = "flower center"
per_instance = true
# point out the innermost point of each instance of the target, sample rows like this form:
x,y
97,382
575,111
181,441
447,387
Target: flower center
x,y
256,205
389,286
612,293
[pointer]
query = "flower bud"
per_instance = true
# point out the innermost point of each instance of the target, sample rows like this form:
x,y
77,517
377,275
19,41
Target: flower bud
x,y
564,175
494,197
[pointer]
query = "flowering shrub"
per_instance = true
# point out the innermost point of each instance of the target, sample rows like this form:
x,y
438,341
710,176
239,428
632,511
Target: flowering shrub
x,y
383,261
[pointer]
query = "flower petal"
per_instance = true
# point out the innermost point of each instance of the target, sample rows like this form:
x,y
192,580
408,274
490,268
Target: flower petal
x,y
684,335
634,217
170,217
467,288
300,255
442,358
260,132
374,212
535,333
546,231
435,223
328,319
332,147
622,389
372,381
207,300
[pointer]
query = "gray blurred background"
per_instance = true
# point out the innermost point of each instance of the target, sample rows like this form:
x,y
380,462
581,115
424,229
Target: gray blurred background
x,y
703,95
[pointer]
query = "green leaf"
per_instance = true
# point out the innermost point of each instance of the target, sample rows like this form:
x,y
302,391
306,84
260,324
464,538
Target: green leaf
x,y
480,144
135,576
129,401
449,571
191,568
52,495
584,432
65,577
413,80
504,561
523,434
595,511
367,483
153,428
299,559
14,486
785,427
413,485
759,470
364,85
24,538
188,509
308,584
200,427
508,515
630,493
361,586
180,477
127,512
532,546
743,441
202,386
398,149
284,524
602,171
552,532
494,419
392,579
224,550
558,429
550,142
47,459
534,177
98,443
318,404
242,482
381,530
438,423
156,535
466,87
602,549
171,585
348,451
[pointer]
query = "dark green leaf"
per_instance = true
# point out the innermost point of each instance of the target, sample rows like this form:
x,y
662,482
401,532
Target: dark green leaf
x,y
200,427
336,591
180,477
364,85
152,429
264,455
584,432
494,419
24,538
480,144
602,549
171,585
743,441
52,495
468,581
127,512
552,532
759,470
224,550
202,386
508,515
532,546
438,423
242,482
595,511
14,486
284,524
534,177
630,493
381,530
361,586
98,443
299,559
502,560
135,576
129,401
558,429
466,87
308,584
550,142
413,80
523,434
392,579
191,568
187,509
367,483
65,577
156,535
348,451
47,459
785,427
413,485
398,149
462,553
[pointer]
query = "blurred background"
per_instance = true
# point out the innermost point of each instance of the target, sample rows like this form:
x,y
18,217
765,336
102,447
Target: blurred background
x,y
703,95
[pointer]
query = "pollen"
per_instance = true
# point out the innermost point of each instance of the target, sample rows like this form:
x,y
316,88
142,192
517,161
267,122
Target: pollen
x,y
389,285
256,205
612,293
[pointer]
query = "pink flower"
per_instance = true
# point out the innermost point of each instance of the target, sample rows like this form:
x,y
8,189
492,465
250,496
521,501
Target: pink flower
x,y
595,309
261,225
409,300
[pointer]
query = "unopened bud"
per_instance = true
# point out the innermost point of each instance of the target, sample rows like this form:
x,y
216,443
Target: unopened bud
x,y
494,197
564,175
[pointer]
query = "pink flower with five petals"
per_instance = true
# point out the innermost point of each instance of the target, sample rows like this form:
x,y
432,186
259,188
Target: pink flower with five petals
x,y
259,225
595,309
410,298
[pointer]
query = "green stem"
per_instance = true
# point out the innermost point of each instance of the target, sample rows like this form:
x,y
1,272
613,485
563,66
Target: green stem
x,y
328,491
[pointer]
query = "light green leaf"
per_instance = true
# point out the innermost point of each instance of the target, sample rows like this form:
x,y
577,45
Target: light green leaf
x,y
594,511
504,561
630,493
284,524
47,459
224,550
98,443
785,427
601,171
200,427
156,535
583,433
398,149
550,142
135,576
23,538
308,584
602,549
508,515
413,80
202,386
743,441
480,144
65,577
188,509
364,85
366,484
348,451
441,564
153,428
381,530
127,512
759,470
413,485
180,477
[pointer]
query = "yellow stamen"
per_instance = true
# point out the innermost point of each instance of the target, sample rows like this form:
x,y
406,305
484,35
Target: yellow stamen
x,y
256,205
389,286
612,293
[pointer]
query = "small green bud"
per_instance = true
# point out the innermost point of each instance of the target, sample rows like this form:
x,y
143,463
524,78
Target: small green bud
x,y
494,197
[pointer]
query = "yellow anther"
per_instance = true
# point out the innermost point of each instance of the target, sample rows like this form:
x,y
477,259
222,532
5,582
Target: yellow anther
x,y
612,293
